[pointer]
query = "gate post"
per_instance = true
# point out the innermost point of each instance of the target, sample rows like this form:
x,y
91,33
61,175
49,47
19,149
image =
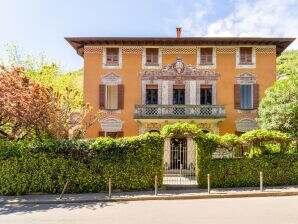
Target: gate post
x,y
261,181
110,188
156,187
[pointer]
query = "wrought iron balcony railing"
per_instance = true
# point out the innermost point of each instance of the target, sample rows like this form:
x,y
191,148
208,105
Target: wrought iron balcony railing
x,y
179,111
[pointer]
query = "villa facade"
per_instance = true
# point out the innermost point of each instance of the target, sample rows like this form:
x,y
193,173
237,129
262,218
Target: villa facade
x,y
142,84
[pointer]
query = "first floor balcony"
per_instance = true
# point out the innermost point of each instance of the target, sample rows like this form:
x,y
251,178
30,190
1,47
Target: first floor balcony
x,y
179,111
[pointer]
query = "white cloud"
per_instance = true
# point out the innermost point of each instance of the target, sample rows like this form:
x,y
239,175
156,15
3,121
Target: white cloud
x,y
261,18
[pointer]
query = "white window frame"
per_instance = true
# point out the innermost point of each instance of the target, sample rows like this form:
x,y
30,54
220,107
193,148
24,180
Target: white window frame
x,y
144,66
213,65
252,65
104,58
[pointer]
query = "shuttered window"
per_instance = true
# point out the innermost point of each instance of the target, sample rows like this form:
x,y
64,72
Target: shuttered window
x,y
114,134
206,56
112,56
245,55
246,101
246,96
151,56
111,97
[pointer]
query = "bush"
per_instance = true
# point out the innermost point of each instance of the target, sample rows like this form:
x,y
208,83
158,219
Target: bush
x,y
10,149
132,163
278,169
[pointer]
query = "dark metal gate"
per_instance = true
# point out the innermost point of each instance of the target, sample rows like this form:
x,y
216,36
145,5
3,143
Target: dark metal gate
x,y
179,163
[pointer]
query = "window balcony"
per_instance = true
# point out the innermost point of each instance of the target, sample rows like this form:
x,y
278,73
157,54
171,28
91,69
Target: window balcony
x,y
179,111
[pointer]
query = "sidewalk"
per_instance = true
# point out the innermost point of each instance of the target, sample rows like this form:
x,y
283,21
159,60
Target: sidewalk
x,y
149,195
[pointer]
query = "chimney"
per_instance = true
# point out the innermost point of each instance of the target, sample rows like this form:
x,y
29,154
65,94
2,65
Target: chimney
x,y
178,31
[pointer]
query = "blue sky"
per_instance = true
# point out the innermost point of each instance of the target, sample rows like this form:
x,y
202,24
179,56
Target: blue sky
x,y
41,25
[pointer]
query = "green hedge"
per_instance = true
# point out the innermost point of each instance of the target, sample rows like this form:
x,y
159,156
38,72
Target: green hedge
x,y
132,163
278,169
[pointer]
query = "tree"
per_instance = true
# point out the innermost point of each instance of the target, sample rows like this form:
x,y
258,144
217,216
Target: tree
x,y
29,109
287,63
279,108
47,73
41,101
26,107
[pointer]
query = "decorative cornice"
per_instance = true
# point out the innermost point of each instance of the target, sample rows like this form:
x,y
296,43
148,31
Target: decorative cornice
x,y
246,78
111,124
111,79
179,71
246,124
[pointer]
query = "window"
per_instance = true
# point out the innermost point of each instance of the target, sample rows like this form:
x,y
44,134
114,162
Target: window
x,y
112,134
206,95
179,95
151,94
111,97
151,56
206,56
112,56
246,100
245,55
246,96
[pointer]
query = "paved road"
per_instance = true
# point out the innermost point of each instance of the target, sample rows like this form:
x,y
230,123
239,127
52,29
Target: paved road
x,y
238,210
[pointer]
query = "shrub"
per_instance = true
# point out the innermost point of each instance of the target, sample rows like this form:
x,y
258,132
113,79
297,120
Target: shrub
x,y
278,169
132,163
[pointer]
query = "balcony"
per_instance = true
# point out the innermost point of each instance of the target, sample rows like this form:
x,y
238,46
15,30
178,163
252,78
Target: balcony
x,y
179,111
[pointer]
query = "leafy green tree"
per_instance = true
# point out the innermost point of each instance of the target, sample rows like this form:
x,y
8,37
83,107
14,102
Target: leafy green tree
x,y
37,68
287,63
23,108
279,108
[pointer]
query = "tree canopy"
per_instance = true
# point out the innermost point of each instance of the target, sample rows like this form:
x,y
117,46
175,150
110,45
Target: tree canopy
x,y
287,63
278,110
37,100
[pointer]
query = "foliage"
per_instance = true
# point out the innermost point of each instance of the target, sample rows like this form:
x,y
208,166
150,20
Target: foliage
x,y
40,101
287,63
26,107
47,73
180,130
278,110
132,163
278,169
10,149
230,141
29,109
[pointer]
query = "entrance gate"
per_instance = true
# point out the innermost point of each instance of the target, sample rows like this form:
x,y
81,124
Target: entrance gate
x,y
179,163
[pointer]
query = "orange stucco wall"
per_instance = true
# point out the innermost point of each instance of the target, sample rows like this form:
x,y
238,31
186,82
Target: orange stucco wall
x,y
132,64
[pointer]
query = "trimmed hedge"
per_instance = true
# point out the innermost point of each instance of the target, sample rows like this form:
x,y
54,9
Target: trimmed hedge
x,y
132,163
278,169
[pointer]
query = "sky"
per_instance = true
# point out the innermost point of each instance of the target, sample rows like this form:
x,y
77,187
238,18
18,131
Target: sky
x,y
41,25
